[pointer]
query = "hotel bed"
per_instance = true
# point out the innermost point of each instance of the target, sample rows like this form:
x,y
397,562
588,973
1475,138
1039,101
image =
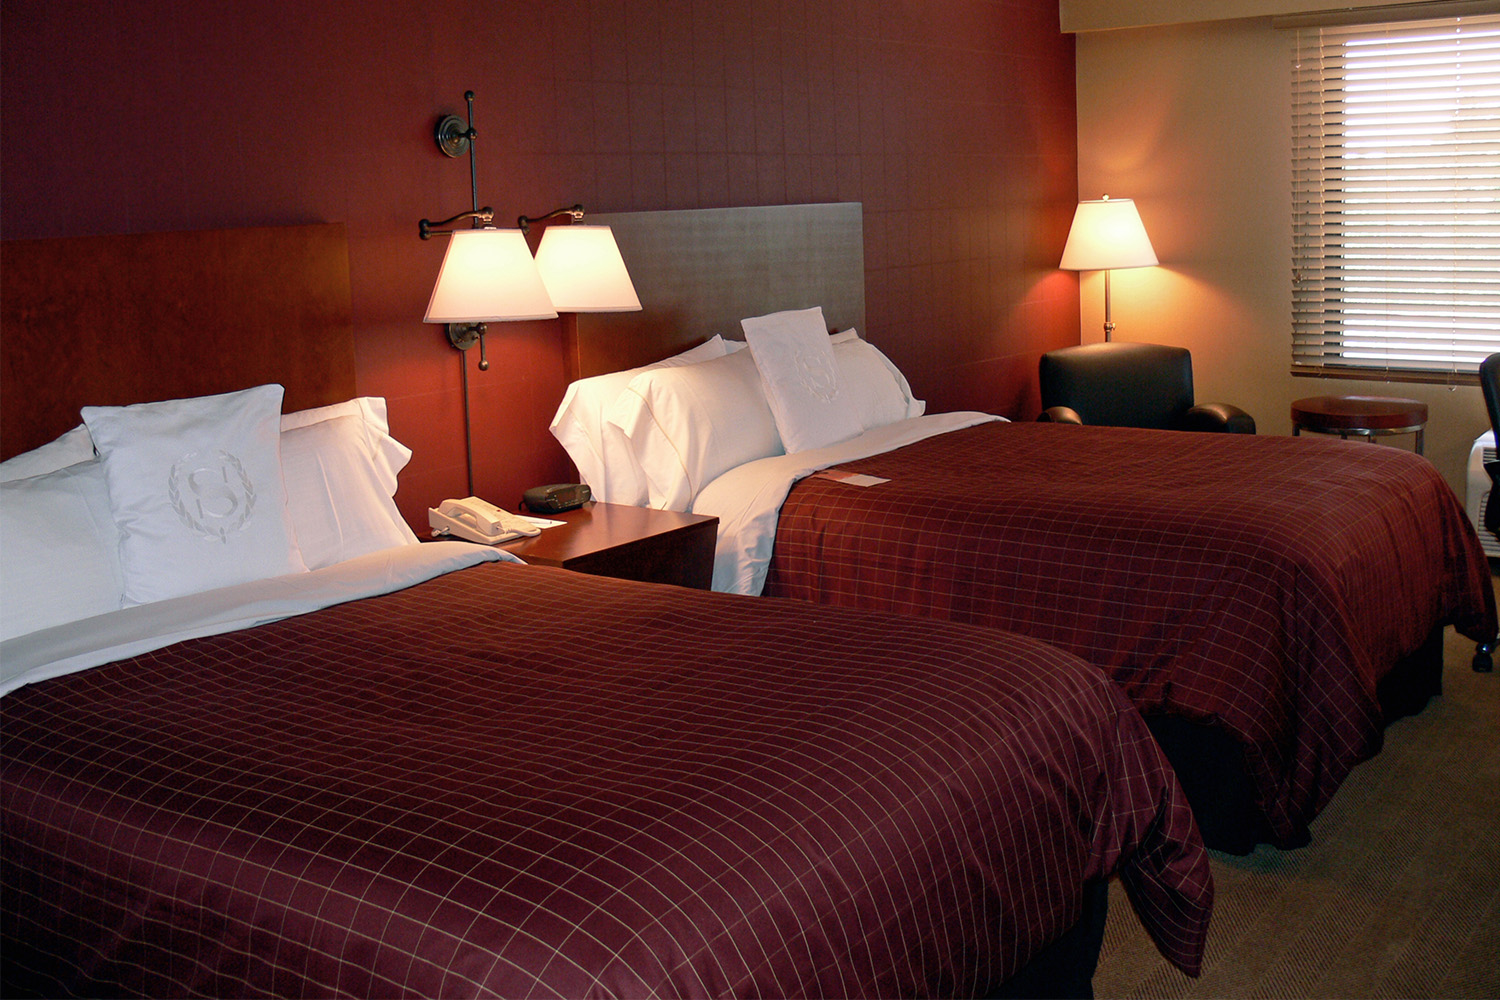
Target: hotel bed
x,y
1268,603
342,762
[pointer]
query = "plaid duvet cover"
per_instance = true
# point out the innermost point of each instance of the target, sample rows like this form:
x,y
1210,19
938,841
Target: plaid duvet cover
x,y
1260,584
521,781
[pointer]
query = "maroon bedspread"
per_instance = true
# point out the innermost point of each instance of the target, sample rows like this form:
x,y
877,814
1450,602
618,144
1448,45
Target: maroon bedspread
x,y
524,782
1260,584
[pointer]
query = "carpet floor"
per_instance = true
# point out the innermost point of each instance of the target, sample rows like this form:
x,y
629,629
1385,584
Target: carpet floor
x,y
1398,895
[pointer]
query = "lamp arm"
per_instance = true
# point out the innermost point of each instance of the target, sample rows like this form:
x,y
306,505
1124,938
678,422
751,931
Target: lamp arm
x,y
427,228
524,222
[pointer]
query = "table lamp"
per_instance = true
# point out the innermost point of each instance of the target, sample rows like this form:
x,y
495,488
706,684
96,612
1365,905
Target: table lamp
x,y
1107,233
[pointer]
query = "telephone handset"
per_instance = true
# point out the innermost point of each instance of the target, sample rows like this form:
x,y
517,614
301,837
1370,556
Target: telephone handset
x,y
476,520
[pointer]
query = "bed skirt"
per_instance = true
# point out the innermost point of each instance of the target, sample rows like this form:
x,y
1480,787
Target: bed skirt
x,y
1065,968
1211,768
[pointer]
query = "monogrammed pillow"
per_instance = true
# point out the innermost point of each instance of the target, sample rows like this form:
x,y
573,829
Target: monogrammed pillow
x,y
195,488
801,379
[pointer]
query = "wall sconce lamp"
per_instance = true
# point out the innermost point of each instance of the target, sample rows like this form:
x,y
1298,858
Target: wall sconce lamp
x,y
1107,233
581,266
488,274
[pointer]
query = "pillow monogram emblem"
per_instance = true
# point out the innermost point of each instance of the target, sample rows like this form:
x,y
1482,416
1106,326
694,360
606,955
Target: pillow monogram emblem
x,y
818,374
211,494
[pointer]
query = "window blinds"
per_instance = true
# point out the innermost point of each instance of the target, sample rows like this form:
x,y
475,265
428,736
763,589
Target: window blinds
x,y
1396,198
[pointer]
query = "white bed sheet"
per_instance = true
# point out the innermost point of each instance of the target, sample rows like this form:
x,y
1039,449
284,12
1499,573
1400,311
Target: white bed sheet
x,y
74,646
748,498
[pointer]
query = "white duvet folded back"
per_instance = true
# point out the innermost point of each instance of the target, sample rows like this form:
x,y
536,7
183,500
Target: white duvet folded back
x,y
74,646
748,498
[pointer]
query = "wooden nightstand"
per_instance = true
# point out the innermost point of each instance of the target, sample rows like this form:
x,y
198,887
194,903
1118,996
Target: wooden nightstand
x,y
632,543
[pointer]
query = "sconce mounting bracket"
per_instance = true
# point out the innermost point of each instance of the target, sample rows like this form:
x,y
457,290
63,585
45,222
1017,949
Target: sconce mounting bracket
x,y
464,336
453,135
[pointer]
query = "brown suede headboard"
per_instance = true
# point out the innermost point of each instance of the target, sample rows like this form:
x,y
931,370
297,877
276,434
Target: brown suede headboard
x,y
699,272
111,320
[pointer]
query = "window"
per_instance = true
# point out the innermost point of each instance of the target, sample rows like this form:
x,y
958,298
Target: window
x,y
1396,199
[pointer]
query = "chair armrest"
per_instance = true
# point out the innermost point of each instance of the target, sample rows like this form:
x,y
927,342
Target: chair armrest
x,y
1059,415
1222,417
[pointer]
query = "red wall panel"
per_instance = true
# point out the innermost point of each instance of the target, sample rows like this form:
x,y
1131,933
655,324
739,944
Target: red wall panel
x,y
951,120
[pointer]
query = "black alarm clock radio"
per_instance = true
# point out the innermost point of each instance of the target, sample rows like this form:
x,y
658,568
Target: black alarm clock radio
x,y
556,498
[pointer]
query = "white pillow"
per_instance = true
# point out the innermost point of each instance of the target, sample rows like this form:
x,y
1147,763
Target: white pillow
x,y
801,379
388,455
71,448
596,446
339,504
76,446
195,488
61,550
689,425
878,391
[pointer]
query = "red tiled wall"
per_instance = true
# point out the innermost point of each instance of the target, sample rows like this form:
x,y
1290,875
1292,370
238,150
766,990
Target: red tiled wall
x,y
951,120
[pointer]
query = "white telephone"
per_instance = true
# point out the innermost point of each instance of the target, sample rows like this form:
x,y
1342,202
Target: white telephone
x,y
477,520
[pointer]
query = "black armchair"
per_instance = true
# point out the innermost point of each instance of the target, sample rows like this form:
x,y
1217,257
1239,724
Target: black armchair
x,y
1131,385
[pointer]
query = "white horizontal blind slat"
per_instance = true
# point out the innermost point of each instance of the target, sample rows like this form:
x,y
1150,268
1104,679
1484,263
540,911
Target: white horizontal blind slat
x,y
1396,196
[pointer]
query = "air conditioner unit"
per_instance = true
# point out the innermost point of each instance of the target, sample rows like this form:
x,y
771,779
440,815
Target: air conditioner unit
x,y
1479,490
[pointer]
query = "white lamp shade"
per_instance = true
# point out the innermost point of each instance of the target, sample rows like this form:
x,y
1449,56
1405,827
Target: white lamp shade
x,y
488,275
1107,234
583,270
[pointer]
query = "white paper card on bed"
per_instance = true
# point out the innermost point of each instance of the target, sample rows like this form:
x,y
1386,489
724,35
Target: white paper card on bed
x,y
61,550
195,489
689,425
801,378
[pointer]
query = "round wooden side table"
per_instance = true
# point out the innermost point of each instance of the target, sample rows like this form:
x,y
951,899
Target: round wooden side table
x,y
1364,416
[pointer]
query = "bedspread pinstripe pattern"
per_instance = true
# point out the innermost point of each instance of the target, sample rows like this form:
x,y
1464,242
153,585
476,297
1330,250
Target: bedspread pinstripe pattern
x,y
519,781
1261,584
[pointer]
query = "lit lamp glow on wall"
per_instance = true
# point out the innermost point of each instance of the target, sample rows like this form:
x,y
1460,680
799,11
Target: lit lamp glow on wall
x,y
1107,234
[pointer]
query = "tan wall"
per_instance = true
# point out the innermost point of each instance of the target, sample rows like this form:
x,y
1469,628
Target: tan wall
x,y
1192,122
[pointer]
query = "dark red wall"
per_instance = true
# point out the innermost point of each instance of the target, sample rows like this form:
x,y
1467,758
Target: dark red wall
x,y
952,121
